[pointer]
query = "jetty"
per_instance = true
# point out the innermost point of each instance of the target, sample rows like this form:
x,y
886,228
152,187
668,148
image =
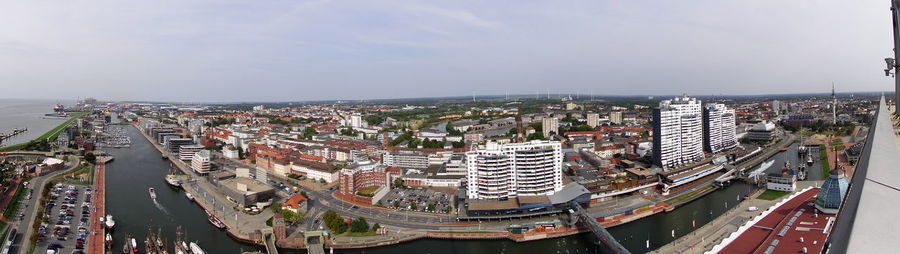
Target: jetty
x,y
15,132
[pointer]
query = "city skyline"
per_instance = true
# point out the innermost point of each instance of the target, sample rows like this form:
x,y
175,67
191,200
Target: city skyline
x,y
321,50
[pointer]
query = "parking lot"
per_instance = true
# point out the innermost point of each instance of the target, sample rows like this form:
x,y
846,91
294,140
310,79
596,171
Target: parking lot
x,y
418,199
67,215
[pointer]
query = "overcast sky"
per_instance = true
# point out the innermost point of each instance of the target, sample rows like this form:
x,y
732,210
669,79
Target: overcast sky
x,y
220,50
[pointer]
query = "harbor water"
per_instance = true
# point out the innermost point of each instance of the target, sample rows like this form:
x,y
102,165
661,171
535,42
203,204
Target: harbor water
x,y
15,113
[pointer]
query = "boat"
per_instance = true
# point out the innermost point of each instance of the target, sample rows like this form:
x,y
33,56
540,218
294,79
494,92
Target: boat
x,y
195,249
215,221
110,223
189,196
152,193
172,181
127,248
109,242
134,247
180,246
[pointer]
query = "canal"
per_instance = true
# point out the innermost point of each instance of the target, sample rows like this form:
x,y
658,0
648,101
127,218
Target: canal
x,y
140,167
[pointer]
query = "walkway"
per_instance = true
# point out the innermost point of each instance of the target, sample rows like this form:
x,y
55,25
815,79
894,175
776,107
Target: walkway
x,y
96,238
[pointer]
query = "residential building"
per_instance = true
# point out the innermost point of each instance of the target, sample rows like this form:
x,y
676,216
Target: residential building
x,y
593,120
550,125
500,171
677,132
719,130
406,159
615,117
186,152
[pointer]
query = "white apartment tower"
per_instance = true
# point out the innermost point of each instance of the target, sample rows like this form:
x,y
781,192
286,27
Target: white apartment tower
x,y
200,162
550,124
719,130
615,117
593,120
500,171
677,132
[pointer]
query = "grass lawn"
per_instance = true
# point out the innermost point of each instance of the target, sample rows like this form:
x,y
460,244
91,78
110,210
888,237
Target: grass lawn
x,y
823,160
49,135
772,195
836,141
13,206
368,191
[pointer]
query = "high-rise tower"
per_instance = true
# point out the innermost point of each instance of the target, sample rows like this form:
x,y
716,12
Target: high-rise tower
x,y
833,105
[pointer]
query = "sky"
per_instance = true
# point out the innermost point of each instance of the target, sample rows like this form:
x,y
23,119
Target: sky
x,y
234,51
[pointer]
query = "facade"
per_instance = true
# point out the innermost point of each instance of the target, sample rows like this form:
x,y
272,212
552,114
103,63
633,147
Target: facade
x,y
229,151
406,159
762,131
517,169
315,170
593,120
781,182
677,132
362,175
719,130
186,152
200,162
615,117
550,125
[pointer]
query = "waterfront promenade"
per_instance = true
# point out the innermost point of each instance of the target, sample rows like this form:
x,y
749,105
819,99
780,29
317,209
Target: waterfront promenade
x,y
96,242
707,236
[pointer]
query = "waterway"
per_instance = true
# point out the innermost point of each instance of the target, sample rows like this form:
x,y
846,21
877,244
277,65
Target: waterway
x,y
17,113
137,168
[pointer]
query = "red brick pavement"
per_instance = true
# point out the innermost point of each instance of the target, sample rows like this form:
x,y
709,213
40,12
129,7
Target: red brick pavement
x,y
96,243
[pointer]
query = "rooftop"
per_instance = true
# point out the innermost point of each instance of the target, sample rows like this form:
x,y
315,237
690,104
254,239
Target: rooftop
x,y
252,186
783,227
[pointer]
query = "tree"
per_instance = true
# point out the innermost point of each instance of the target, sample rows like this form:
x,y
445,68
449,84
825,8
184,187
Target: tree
x,y
412,206
359,225
290,216
396,204
430,207
375,227
90,157
399,183
309,132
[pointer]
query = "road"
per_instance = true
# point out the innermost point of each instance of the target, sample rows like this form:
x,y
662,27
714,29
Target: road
x,y
24,226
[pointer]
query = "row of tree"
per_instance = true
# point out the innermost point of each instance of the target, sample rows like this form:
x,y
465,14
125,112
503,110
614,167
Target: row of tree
x,y
337,225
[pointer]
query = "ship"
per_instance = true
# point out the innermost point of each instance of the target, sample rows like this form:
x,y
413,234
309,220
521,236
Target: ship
x,y
110,223
215,221
127,248
180,246
152,193
154,244
134,246
189,196
195,249
172,181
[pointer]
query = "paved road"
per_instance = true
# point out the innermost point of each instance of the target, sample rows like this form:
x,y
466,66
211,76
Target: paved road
x,y
24,226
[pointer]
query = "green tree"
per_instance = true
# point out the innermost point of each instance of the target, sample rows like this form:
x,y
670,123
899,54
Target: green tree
x,y
375,227
413,206
430,207
359,225
90,157
396,204
309,132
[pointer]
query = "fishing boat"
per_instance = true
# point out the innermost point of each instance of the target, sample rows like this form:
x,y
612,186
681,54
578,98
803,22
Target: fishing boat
x,y
189,196
110,223
152,193
195,249
173,181
215,221
134,246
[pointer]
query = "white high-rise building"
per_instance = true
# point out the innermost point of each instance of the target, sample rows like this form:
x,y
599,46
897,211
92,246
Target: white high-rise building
x,y
510,170
200,162
593,120
550,124
615,117
719,130
677,132
356,121
776,106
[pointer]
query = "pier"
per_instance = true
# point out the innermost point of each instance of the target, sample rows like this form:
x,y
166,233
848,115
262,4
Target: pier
x,y
15,132
578,213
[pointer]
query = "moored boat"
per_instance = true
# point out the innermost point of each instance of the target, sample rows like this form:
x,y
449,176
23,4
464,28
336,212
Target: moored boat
x,y
110,223
195,249
215,221
189,196
172,181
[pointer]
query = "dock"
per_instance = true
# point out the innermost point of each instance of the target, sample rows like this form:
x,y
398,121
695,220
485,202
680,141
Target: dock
x,y
15,132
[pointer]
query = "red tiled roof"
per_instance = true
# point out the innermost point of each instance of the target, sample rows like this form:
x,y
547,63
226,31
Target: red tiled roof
x,y
294,201
809,225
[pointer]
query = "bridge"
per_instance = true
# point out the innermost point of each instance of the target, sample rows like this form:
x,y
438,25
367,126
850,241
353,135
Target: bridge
x,y
577,212
731,174
269,239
